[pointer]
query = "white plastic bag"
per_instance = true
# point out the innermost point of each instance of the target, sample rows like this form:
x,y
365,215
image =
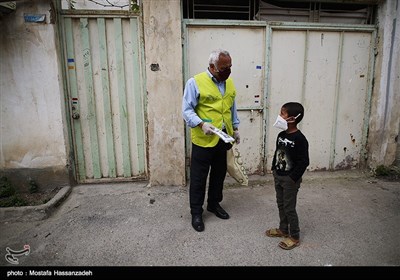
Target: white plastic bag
x,y
235,166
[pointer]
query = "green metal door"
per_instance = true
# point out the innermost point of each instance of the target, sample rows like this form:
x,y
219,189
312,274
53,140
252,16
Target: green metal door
x,y
105,89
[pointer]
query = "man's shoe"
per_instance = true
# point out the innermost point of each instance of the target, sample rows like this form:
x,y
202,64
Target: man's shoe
x,y
218,211
197,222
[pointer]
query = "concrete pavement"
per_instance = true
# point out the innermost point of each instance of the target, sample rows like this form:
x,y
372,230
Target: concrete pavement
x,y
347,218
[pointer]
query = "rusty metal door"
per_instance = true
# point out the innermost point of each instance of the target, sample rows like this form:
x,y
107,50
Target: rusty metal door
x,y
326,67
329,70
103,61
247,48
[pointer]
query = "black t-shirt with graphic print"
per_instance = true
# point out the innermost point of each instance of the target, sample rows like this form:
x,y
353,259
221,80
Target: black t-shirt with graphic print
x,y
291,155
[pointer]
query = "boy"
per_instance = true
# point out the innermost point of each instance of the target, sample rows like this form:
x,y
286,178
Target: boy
x,y
288,165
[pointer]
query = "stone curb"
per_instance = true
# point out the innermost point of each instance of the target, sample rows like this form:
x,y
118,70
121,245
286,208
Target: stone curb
x,y
34,213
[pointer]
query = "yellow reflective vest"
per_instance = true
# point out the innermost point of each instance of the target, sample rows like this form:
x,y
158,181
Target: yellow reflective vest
x,y
213,108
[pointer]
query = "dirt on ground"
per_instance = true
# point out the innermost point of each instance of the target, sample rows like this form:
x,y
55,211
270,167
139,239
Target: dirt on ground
x,y
28,199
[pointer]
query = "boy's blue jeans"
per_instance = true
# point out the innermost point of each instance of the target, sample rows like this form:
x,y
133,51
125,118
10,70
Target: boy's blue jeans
x,y
286,198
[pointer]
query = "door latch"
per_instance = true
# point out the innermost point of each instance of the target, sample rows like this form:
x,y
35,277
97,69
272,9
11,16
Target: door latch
x,y
75,115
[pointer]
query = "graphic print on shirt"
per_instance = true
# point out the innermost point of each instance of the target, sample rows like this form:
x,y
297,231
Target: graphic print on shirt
x,y
283,161
285,142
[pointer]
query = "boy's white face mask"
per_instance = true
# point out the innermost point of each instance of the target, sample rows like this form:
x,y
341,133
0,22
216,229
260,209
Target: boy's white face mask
x,y
280,123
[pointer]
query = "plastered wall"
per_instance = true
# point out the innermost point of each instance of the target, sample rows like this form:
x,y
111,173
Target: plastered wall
x,y
385,115
163,52
31,117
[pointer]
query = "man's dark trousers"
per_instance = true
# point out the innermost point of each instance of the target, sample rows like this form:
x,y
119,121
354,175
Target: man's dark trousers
x,y
202,160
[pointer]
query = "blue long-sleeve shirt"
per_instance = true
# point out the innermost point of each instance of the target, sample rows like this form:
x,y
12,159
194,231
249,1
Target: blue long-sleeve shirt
x,y
191,99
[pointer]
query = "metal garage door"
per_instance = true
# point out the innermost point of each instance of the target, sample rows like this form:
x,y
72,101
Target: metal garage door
x,y
246,45
105,90
329,70
326,67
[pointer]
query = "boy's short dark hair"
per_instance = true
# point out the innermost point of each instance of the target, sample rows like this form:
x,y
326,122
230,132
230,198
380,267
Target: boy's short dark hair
x,y
293,109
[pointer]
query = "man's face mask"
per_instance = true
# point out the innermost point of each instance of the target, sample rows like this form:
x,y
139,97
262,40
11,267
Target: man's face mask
x,y
224,75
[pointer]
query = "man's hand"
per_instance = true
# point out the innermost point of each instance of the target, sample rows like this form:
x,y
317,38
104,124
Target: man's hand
x,y
236,136
207,128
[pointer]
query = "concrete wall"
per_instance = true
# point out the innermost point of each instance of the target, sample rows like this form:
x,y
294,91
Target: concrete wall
x,y
385,114
31,114
164,80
